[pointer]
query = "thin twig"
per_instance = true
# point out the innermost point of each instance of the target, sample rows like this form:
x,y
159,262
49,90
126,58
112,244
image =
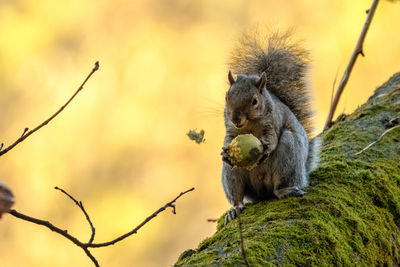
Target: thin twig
x,y
242,250
53,228
91,257
134,231
25,134
80,205
333,86
395,90
380,137
86,246
358,50
47,224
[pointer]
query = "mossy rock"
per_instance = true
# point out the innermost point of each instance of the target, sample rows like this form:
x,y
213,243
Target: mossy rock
x,y
350,215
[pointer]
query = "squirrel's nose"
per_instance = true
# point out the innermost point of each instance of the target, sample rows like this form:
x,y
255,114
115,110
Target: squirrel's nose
x,y
238,124
238,120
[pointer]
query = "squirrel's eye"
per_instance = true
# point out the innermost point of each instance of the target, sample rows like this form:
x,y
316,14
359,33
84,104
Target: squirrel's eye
x,y
255,101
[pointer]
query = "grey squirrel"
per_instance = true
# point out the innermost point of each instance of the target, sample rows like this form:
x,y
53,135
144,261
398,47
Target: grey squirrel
x,y
271,99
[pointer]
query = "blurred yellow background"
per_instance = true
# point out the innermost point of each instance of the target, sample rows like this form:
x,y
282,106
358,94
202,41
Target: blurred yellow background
x,y
121,146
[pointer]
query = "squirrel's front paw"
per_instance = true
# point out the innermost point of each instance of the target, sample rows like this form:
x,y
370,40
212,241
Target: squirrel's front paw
x,y
266,151
225,156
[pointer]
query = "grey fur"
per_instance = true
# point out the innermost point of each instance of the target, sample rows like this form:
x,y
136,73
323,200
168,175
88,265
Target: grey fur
x,y
274,107
314,148
286,64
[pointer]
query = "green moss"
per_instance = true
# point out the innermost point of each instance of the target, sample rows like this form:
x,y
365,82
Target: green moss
x,y
350,215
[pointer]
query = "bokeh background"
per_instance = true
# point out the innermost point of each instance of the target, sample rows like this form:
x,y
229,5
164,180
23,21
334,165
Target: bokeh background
x,y
121,146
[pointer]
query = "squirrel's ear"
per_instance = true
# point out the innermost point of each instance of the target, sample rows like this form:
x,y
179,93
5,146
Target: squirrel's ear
x,y
230,78
261,82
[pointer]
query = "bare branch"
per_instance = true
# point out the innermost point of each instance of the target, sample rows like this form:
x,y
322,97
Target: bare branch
x,y
47,224
358,50
92,258
333,85
170,204
25,134
80,205
86,246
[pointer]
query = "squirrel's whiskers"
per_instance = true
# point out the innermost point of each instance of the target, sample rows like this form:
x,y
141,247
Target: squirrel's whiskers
x,y
211,109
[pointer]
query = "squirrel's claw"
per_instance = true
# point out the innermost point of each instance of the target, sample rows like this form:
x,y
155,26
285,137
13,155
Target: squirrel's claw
x,y
225,156
264,157
266,152
232,214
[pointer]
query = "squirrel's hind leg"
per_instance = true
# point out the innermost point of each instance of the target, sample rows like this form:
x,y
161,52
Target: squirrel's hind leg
x,y
293,191
233,181
289,176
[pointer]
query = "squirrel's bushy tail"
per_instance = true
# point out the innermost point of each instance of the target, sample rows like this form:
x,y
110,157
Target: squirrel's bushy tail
x,y
314,148
286,64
